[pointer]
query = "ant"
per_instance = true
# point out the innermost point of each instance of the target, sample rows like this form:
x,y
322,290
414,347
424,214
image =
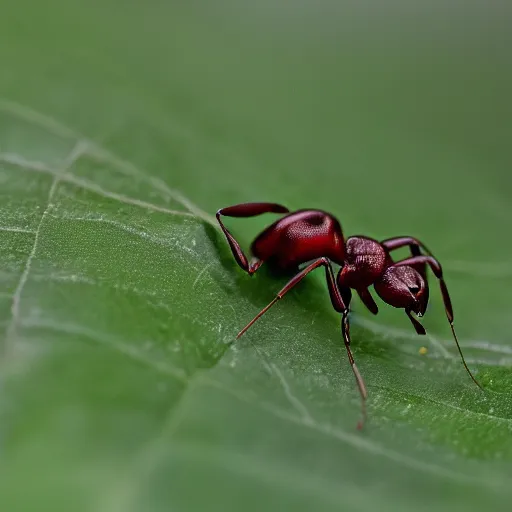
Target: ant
x,y
315,237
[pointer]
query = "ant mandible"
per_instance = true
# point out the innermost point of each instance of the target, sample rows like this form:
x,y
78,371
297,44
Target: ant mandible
x,y
315,237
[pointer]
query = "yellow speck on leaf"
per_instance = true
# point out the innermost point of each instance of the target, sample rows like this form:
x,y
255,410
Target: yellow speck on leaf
x,y
423,351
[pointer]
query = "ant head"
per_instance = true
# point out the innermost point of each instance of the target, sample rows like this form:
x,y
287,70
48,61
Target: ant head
x,y
404,287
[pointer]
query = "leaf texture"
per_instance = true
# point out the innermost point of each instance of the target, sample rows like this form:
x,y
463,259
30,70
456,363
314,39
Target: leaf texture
x,y
123,128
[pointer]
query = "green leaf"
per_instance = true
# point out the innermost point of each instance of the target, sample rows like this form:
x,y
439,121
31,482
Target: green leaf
x,y
123,127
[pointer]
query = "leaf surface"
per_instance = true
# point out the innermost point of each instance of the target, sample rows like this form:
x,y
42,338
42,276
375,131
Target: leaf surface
x,y
123,128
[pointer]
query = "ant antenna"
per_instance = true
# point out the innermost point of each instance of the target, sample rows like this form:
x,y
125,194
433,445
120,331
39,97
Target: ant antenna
x,y
462,356
449,314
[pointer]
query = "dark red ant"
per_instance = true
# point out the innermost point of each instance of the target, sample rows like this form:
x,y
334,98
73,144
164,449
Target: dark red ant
x,y
316,237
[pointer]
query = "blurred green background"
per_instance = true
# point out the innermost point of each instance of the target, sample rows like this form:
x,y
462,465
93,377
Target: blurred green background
x,y
124,126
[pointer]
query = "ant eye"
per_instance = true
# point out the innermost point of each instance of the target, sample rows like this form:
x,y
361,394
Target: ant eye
x,y
414,289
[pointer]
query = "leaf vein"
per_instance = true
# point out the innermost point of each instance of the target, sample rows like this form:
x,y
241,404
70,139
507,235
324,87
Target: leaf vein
x,y
28,165
17,230
122,348
95,150
16,299
355,440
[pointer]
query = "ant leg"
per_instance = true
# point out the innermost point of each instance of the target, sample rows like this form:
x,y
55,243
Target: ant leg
x,y
438,272
401,241
334,292
345,329
367,299
339,305
415,247
246,210
419,328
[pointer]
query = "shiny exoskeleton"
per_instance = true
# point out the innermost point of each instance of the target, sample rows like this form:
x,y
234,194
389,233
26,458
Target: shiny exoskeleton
x,y
315,238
